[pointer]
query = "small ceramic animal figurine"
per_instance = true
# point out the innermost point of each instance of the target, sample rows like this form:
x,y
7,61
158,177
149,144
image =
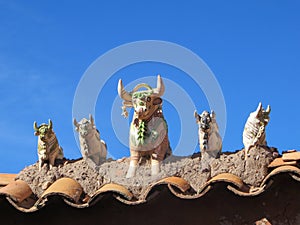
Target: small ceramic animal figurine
x,y
48,147
210,140
148,130
254,132
92,147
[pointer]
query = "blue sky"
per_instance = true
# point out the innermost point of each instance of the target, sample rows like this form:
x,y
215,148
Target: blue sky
x,y
252,47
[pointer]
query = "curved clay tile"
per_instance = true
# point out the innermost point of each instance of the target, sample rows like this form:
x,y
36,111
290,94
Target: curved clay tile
x,y
281,169
5,178
65,187
280,162
263,221
291,156
229,178
114,188
120,193
16,190
171,182
178,182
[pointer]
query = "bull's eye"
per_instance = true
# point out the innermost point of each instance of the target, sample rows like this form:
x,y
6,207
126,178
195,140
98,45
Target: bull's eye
x,y
148,99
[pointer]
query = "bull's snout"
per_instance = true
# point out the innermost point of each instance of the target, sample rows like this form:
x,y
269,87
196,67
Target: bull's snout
x,y
42,137
205,126
141,110
83,133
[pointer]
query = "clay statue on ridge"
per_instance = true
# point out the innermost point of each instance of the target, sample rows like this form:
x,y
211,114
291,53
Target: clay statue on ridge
x,y
93,149
254,132
148,130
48,147
210,140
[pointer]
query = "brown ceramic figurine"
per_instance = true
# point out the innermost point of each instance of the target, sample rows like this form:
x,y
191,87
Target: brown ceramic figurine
x,y
48,147
148,130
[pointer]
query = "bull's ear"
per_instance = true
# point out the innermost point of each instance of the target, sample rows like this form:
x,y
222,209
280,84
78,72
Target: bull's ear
x,y
75,122
213,114
157,101
92,119
36,133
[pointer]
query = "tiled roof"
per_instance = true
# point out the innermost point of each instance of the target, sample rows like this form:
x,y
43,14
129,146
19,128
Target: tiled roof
x,y
18,194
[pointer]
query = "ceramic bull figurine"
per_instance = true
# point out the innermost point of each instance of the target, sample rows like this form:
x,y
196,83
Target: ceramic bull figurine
x,y
148,130
48,147
93,149
254,131
210,140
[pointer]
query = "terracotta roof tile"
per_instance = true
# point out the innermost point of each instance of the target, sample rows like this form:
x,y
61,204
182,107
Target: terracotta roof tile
x,y
291,156
5,178
65,187
263,221
16,190
230,179
279,162
114,188
178,182
293,171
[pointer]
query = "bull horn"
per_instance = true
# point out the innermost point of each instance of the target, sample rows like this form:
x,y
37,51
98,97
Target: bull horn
x,y
75,122
160,87
268,110
91,119
49,124
35,127
258,110
259,107
123,93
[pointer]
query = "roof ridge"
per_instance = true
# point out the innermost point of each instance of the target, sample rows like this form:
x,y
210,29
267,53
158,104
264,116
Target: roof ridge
x,y
16,192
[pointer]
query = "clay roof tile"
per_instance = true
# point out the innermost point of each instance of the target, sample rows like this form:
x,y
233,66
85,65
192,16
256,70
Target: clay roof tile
x,y
65,187
280,162
5,178
17,190
291,156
